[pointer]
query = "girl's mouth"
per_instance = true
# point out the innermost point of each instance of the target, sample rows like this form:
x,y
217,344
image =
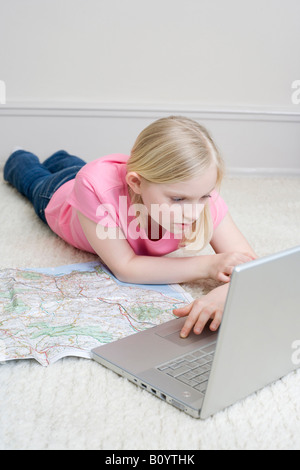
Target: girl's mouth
x,y
183,226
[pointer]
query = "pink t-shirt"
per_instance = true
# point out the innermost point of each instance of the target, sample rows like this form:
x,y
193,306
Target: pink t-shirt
x,y
100,192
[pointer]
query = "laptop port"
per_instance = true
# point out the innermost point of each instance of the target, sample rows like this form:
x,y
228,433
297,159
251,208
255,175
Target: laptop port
x,y
178,405
163,396
153,391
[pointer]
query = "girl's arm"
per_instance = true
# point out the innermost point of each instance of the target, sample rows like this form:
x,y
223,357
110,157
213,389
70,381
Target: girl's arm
x,y
118,255
120,258
227,238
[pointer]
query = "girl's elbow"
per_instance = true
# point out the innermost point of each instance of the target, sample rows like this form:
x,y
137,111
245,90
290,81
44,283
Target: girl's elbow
x,y
124,274
121,276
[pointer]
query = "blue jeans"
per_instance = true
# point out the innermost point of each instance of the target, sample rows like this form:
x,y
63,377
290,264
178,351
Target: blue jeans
x,y
38,182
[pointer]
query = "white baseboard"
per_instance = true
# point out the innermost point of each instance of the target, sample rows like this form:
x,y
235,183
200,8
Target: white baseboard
x,y
263,172
252,141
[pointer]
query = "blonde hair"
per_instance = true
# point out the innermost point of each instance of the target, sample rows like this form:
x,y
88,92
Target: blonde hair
x,y
172,150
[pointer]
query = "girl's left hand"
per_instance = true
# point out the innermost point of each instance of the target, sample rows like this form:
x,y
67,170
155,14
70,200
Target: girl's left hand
x,y
210,306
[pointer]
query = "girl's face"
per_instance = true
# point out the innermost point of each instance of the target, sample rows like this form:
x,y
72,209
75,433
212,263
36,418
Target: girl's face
x,y
176,206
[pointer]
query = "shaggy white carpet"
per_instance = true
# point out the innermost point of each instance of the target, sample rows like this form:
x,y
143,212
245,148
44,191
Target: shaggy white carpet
x,y
77,404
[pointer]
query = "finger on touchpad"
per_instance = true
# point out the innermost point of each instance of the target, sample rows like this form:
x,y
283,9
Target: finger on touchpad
x,y
192,338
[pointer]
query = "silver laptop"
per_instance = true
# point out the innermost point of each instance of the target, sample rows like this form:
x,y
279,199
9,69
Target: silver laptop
x,y
255,345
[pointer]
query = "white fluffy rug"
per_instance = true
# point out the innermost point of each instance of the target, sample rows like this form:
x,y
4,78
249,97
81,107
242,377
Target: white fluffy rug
x,y
77,404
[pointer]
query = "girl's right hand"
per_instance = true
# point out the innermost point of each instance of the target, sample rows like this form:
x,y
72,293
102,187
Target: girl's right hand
x,y
199,312
223,264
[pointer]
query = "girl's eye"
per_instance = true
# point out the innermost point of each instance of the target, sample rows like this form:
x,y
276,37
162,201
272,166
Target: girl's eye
x,y
180,199
176,199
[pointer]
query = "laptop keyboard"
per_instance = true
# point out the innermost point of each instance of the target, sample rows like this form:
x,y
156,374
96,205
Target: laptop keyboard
x,y
192,369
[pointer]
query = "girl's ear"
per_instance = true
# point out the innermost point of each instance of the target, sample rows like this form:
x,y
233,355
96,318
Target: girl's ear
x,y
134,180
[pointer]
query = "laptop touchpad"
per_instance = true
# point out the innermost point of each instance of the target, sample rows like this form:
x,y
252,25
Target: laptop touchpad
x,y
192,338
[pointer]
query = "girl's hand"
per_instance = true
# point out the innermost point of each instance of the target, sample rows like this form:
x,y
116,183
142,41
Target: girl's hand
x,y
210,306
223,264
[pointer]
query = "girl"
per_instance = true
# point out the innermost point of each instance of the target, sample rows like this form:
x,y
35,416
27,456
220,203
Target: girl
x,y
131,211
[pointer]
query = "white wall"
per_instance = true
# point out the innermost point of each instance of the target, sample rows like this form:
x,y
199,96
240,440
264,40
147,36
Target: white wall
x,y
157,56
